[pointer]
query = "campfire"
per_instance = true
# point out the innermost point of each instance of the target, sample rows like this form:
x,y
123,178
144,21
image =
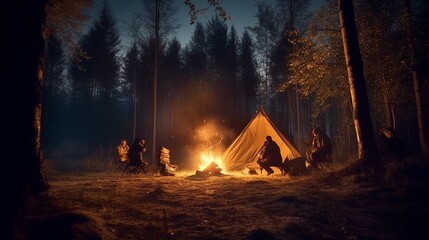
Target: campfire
x,y
211,165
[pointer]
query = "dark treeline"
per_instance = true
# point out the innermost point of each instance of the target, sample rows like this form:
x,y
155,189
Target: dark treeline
x,y
294,66
291,62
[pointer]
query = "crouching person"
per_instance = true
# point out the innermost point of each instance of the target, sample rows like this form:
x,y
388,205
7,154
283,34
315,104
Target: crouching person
x,y
270,156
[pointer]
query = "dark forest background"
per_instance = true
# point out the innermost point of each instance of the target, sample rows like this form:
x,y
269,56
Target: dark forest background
x,y
291,63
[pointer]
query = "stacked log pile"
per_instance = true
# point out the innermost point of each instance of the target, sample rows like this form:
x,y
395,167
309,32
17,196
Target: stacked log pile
x,y
166,168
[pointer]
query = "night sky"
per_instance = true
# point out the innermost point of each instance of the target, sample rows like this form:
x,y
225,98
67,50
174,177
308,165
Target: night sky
x,y
242,11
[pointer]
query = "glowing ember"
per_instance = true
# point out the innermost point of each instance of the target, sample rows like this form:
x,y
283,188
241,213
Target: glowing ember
x,y
207,158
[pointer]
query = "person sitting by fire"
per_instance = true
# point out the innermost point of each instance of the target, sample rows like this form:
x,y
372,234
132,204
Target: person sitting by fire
x,y
121,159
136,156
392,148
270,155
320,150
122,150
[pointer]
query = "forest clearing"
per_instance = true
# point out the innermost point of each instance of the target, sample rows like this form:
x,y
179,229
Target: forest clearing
x,y
230,206
344,82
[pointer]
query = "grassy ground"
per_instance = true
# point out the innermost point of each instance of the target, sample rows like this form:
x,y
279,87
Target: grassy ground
x,y
231,206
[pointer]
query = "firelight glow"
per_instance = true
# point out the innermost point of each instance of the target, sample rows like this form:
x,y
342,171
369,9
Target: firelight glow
x,y
207,158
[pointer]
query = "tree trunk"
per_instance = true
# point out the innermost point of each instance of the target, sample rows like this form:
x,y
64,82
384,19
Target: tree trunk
x,y
290,112
367,149
416,82
22,175
298,120
388,109
155,80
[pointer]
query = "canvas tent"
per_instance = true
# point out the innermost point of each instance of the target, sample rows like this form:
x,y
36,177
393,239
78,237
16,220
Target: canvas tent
x,y
243,152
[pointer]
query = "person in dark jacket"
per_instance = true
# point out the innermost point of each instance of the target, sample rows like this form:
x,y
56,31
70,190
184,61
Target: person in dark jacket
x,y
270,155
392,148
136,153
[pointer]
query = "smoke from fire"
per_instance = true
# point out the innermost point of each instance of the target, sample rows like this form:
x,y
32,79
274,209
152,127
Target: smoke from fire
x,y
210,138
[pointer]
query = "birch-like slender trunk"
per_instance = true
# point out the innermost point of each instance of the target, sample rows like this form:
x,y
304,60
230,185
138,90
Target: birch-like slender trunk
x,y
155,79
367,148
416,81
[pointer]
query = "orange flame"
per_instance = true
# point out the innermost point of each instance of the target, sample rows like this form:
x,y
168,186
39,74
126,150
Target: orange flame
x,y
207,158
